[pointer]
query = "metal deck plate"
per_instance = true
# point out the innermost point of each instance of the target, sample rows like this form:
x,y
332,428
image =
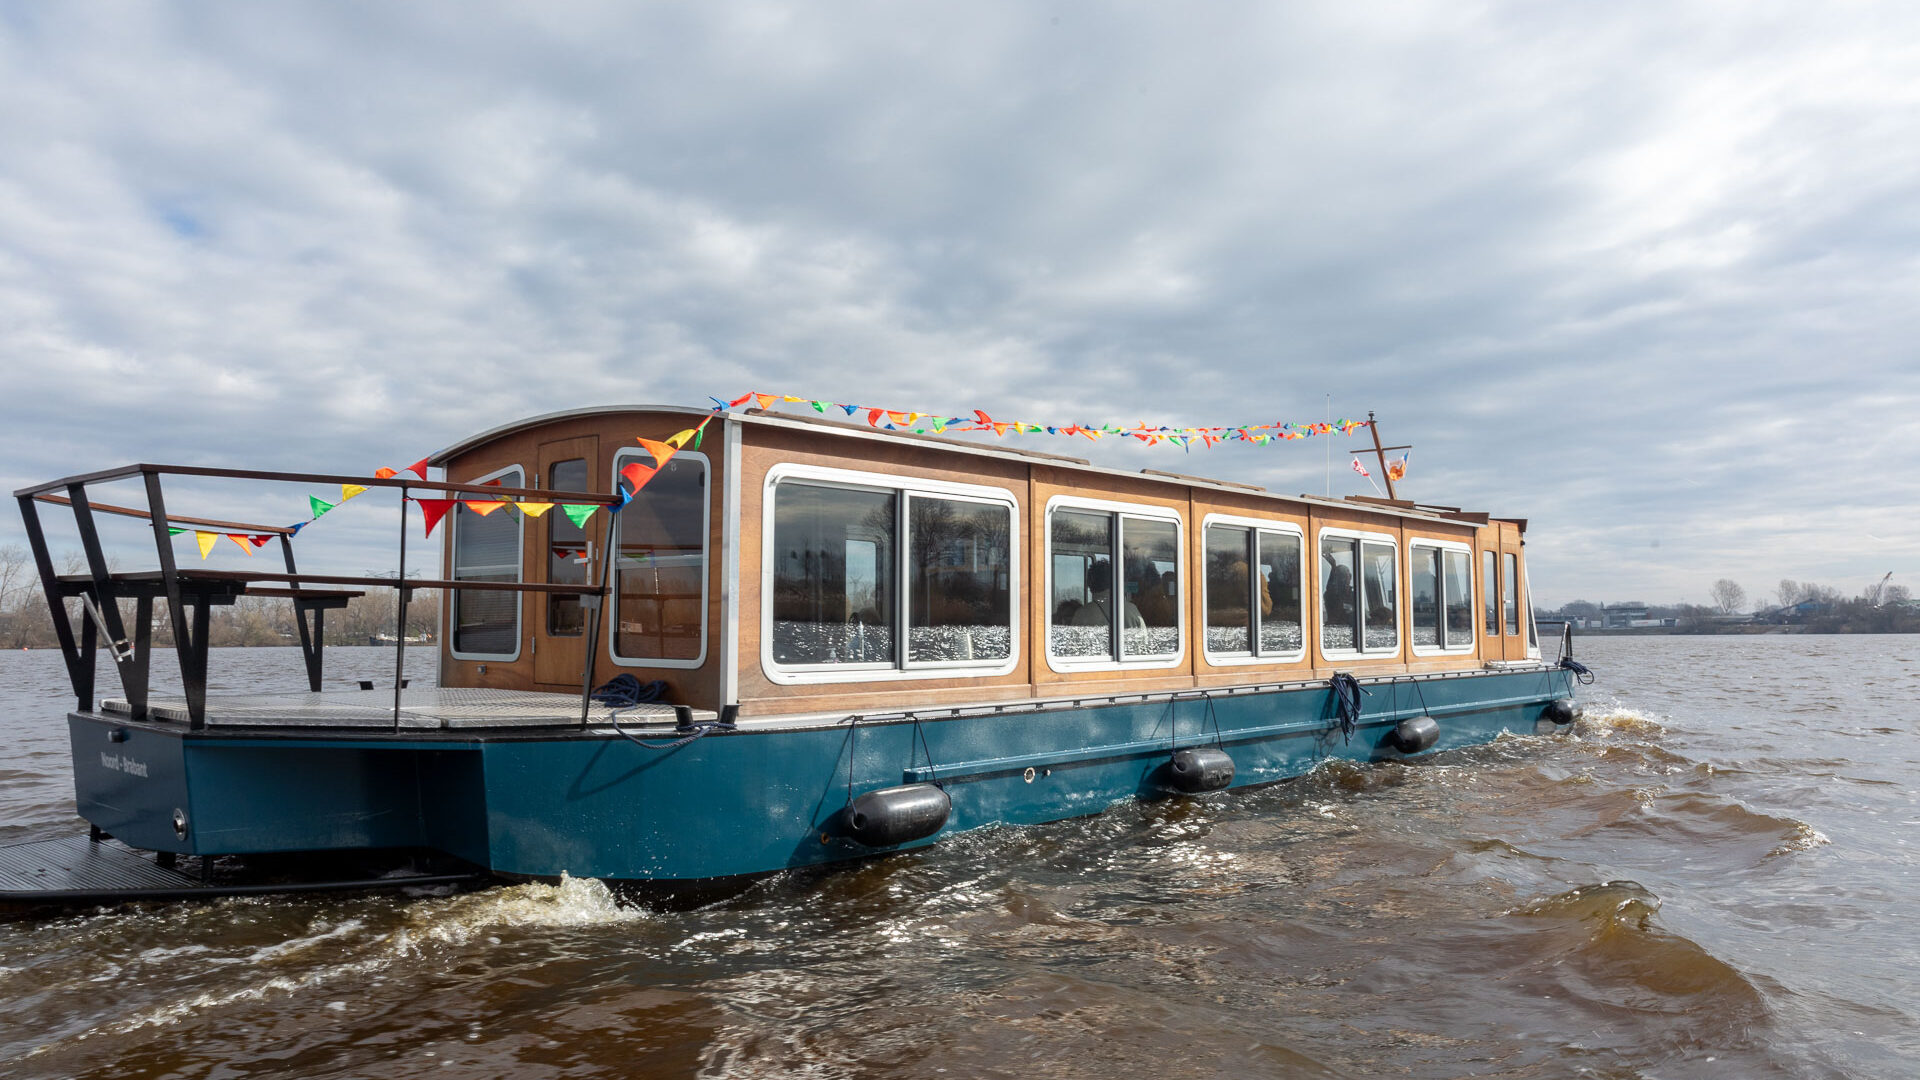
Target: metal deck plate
x,y
75,868
424,708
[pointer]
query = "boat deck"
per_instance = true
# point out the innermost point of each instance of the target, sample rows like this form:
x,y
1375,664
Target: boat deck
x,y
76,870
421,709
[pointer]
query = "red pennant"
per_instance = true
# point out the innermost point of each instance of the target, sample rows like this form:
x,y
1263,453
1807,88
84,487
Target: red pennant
x,y
433,510
638,475
873,417
259,540
419,468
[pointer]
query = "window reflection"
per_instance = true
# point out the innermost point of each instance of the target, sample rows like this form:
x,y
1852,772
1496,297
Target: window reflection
x,y
1382,602
663,564
1339,603
832,569
487,548
566,552
1230,590
1150,554
1459,599
1082,601
960,601
1280,594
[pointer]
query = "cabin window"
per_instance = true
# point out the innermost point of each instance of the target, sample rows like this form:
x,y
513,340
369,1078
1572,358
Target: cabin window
x,y
1114,591
1359,603
487,547
568,552
1490,591
1252,592
960,600
660,586
850,566
1442,613
1510,596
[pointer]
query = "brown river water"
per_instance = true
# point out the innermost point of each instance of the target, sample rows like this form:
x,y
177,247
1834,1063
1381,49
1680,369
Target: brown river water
x,y
1711,875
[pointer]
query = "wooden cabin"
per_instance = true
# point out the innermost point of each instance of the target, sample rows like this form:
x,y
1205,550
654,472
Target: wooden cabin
x,y
799,566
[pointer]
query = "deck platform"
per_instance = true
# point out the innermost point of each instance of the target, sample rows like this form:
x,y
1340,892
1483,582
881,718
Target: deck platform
x,y
421,709
76,870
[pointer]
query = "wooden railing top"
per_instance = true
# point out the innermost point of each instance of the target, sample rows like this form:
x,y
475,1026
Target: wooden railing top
x,y
127,472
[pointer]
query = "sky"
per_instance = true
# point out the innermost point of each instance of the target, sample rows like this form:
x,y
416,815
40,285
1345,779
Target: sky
x,y
1646,274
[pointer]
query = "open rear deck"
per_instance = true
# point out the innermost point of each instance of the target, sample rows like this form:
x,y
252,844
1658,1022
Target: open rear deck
x,y
422,709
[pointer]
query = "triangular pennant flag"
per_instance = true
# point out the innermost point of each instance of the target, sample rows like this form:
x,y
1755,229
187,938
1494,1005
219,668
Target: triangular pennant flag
x,y
348,491
679,439
206,541
534,509
242,541
638,474
579,513
175,532
294,529
483,508
419,468
385,473
433,510
319,505
260,539
765,401
662,453
851,409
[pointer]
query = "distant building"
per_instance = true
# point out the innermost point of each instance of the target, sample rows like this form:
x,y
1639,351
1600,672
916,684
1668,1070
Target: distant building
x,y
1624,615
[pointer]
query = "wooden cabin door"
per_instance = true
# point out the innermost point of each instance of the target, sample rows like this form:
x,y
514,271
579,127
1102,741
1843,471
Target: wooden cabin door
x,y
565,554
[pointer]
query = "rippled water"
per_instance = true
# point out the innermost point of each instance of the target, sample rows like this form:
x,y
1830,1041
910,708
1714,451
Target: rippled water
x,y
1712,876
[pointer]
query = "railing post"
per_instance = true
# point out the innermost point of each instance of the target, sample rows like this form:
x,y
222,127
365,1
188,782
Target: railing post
x,y
183,642
79,675
400,619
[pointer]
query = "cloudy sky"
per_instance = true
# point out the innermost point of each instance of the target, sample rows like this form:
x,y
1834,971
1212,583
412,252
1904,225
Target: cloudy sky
x,y
1647,274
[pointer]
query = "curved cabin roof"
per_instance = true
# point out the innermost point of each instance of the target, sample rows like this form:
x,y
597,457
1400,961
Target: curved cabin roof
x,y
1392,508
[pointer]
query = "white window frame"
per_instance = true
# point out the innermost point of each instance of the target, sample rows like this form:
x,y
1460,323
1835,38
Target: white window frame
x,y
520,571
1400,629
902,488
1440,594
637,453
1258,525
1064,664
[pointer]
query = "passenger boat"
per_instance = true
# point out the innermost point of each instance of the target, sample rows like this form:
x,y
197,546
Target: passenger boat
x,y
855,641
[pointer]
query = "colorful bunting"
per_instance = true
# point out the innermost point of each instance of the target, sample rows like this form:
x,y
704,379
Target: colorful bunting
x,y
348,491
483,507
245,544
206,541
320,506
534,509
901,420
579,513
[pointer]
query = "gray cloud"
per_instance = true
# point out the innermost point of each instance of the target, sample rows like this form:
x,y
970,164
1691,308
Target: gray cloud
x,y
1638,272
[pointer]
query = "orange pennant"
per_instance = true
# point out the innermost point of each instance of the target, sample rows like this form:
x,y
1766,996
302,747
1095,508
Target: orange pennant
x,y
385,473
638,475
245,544
483,508
765,401
662,452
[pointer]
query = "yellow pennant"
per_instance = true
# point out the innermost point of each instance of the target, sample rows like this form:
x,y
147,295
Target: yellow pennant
x,y
206,541
348,491
534,509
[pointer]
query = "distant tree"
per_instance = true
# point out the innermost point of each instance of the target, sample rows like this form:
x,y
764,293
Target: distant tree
x,y
1895,594
1788,592
1728,596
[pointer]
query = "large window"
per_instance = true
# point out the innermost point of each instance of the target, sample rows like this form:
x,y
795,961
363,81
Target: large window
x,y
1442,597
1114,585
853,559
486,547
1359,610
1252,592
660,586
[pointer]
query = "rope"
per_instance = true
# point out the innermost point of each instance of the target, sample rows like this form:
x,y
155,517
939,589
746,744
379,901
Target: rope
x,y
1346,699
1580,670
933,770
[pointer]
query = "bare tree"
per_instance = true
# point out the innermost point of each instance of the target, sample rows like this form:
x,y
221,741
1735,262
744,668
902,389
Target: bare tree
x,y
1728,596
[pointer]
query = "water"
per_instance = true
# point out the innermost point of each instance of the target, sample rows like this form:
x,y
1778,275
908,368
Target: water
x,y
1712,876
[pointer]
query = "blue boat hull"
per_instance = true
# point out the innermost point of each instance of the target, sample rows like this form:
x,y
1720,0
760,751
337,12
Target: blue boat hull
x,y
594,804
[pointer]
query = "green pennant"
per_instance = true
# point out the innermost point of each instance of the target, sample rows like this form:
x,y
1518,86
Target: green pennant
x,y
698,434
818,406
579,513
320,506
175,532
